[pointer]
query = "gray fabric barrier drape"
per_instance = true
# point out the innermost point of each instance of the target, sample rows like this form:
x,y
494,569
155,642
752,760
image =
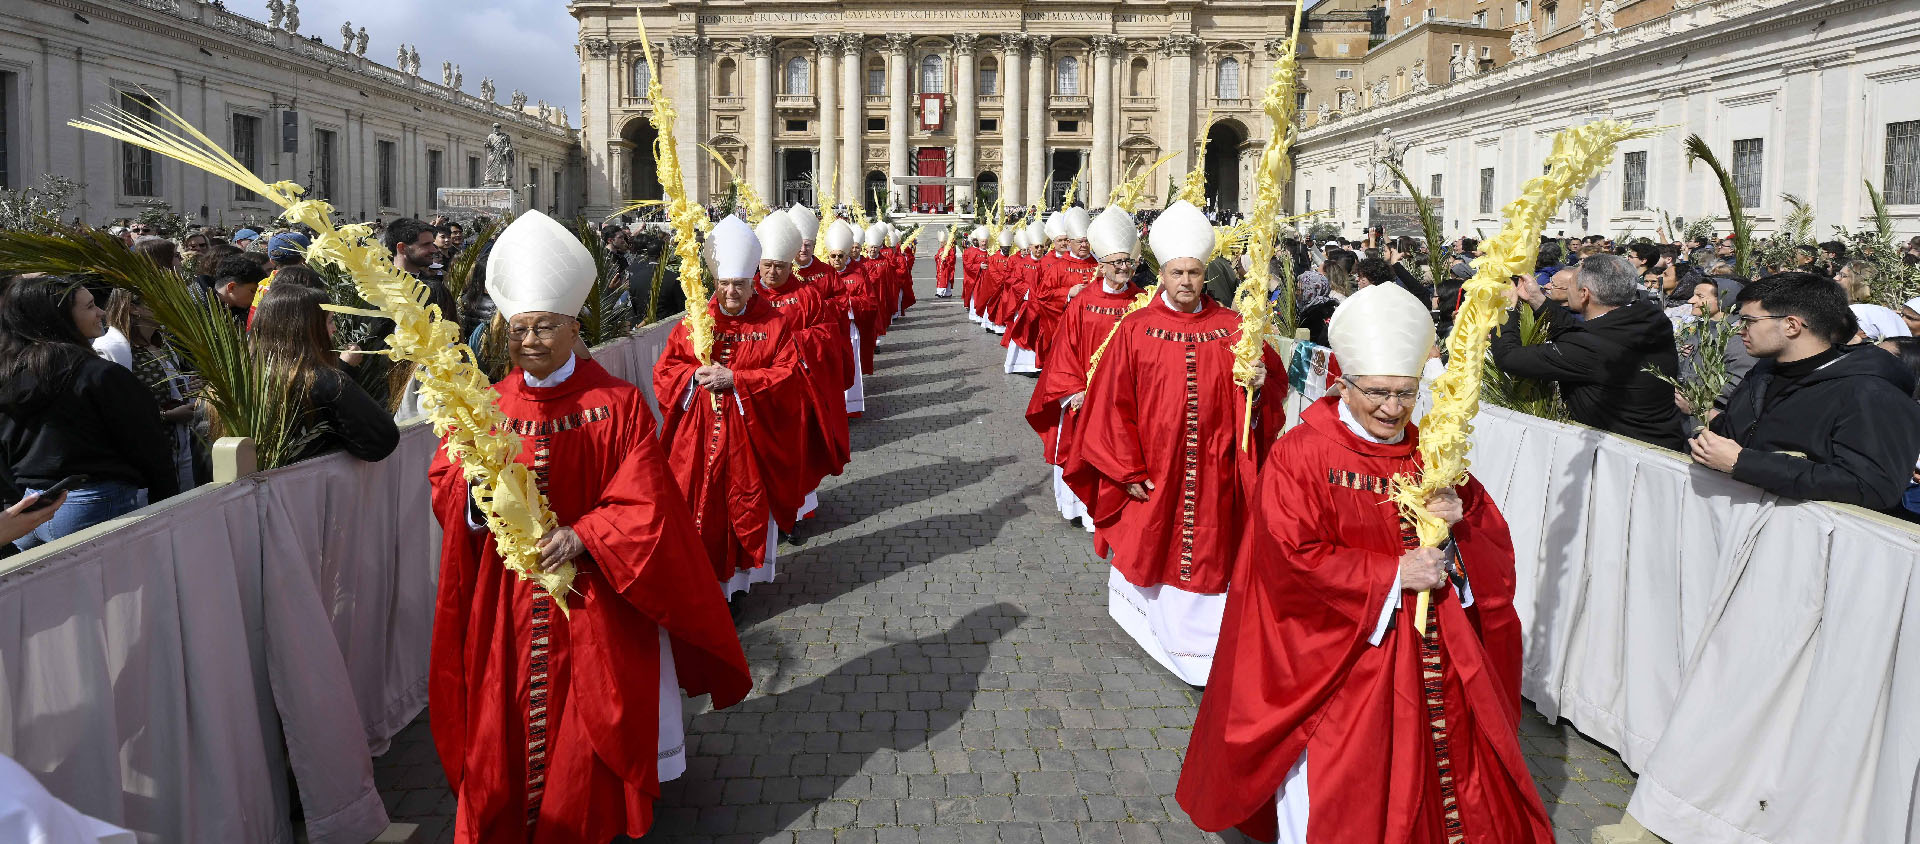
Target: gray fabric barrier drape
x,y
164,670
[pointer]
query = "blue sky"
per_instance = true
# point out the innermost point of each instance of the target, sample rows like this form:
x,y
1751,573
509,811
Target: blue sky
x,y
524,44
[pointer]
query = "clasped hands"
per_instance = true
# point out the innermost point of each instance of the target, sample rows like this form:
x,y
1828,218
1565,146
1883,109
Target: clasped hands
x,y
1426,568
714,377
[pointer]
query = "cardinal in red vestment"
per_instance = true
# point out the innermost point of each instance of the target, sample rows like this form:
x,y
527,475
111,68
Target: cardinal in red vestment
x,y
877,263
1014,282
1067,267
902,255
552,728
944,263
973,263
729,425
1330,719
1090,315
994,277
1162,424
826,359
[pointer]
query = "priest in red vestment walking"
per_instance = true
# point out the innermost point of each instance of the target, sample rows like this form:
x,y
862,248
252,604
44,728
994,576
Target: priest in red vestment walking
x,y
973,264
1061,272
999,270
558,729
1162,423
1330,719
1090,315
826,359
846,286
730,425
944,263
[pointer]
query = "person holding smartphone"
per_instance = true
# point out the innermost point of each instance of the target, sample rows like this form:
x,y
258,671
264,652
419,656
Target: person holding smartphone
x,y
28,513
65,412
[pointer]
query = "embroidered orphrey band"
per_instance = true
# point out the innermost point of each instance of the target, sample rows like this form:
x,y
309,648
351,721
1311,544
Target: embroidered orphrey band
x,y
1190,473
569,422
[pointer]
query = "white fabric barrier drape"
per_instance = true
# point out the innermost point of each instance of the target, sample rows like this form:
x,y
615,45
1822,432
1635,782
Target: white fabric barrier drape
x,y
1754,659
162,671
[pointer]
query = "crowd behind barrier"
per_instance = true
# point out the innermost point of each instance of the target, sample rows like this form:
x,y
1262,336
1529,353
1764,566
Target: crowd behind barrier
x,y
166,668
1741,652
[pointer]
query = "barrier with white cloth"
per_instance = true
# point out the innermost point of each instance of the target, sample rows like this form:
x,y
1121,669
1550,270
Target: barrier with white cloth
x,y
1751,658
163,670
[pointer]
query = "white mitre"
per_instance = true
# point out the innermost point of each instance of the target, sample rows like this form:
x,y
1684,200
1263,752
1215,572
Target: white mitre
x,y
804,220
893,235
1112,232
840,236
1020,238
735,250
1075,221
978,235
779,240
1181,231
1008,238
876,234
1381,330
1038,236
1055,225
539,265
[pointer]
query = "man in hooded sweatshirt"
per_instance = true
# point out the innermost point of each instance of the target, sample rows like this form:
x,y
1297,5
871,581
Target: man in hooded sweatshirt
x,y
1601,360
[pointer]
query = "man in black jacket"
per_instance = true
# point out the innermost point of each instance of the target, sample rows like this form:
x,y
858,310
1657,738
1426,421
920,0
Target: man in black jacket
x,y
1600,363
1814,420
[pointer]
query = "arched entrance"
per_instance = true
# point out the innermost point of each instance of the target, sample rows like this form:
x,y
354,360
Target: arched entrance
x,y
986,190
1066,167
642,180
1223,164
874,192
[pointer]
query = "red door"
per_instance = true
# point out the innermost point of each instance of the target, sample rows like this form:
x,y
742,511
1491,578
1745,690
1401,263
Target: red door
x,y
933,162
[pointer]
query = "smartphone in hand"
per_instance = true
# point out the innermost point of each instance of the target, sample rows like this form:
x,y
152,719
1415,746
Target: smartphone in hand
x,y
52,493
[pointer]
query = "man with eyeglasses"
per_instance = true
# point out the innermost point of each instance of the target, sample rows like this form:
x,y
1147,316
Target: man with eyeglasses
x,y
1060,275
1815,419
734,426
556,727
1159,445
1325,697
1089,318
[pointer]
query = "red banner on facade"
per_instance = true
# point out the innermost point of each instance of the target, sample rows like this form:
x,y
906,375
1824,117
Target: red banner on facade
x,y
933,112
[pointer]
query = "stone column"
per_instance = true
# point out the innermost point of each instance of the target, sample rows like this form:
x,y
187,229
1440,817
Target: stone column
x,y
690,53
1100,181
1037,89
966,116
897,113
760,168
1179,99
827,87
853,149
620,157
599,134
1012,118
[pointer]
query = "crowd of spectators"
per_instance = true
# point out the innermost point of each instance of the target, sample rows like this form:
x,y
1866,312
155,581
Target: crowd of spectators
x,y
1821,395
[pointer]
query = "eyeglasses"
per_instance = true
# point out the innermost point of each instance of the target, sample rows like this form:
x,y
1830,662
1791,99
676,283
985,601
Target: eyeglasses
x,y
1744,322
543,331
1378,396
1123,263
141,230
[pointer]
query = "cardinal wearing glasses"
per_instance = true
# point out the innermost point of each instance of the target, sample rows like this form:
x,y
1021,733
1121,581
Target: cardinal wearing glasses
x,y
1089,317
1159,446
1330,718
559,727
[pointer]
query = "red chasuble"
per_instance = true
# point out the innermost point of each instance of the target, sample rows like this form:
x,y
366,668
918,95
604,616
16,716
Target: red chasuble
x,y
826,364
1089,318
903,261
1411,741
547,725
740,464
886,295
863,299
943,264
1163,406
1022,272
1040,313
973,265
992,278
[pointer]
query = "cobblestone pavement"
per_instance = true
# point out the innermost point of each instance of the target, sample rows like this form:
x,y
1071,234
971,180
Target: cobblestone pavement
x,y
935,662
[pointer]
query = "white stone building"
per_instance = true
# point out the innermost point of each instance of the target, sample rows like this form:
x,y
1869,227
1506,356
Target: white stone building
x,y
1812,98
998,96
373,140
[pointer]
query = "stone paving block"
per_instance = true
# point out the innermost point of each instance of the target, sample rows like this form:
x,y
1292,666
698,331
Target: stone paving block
x,y
935,662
